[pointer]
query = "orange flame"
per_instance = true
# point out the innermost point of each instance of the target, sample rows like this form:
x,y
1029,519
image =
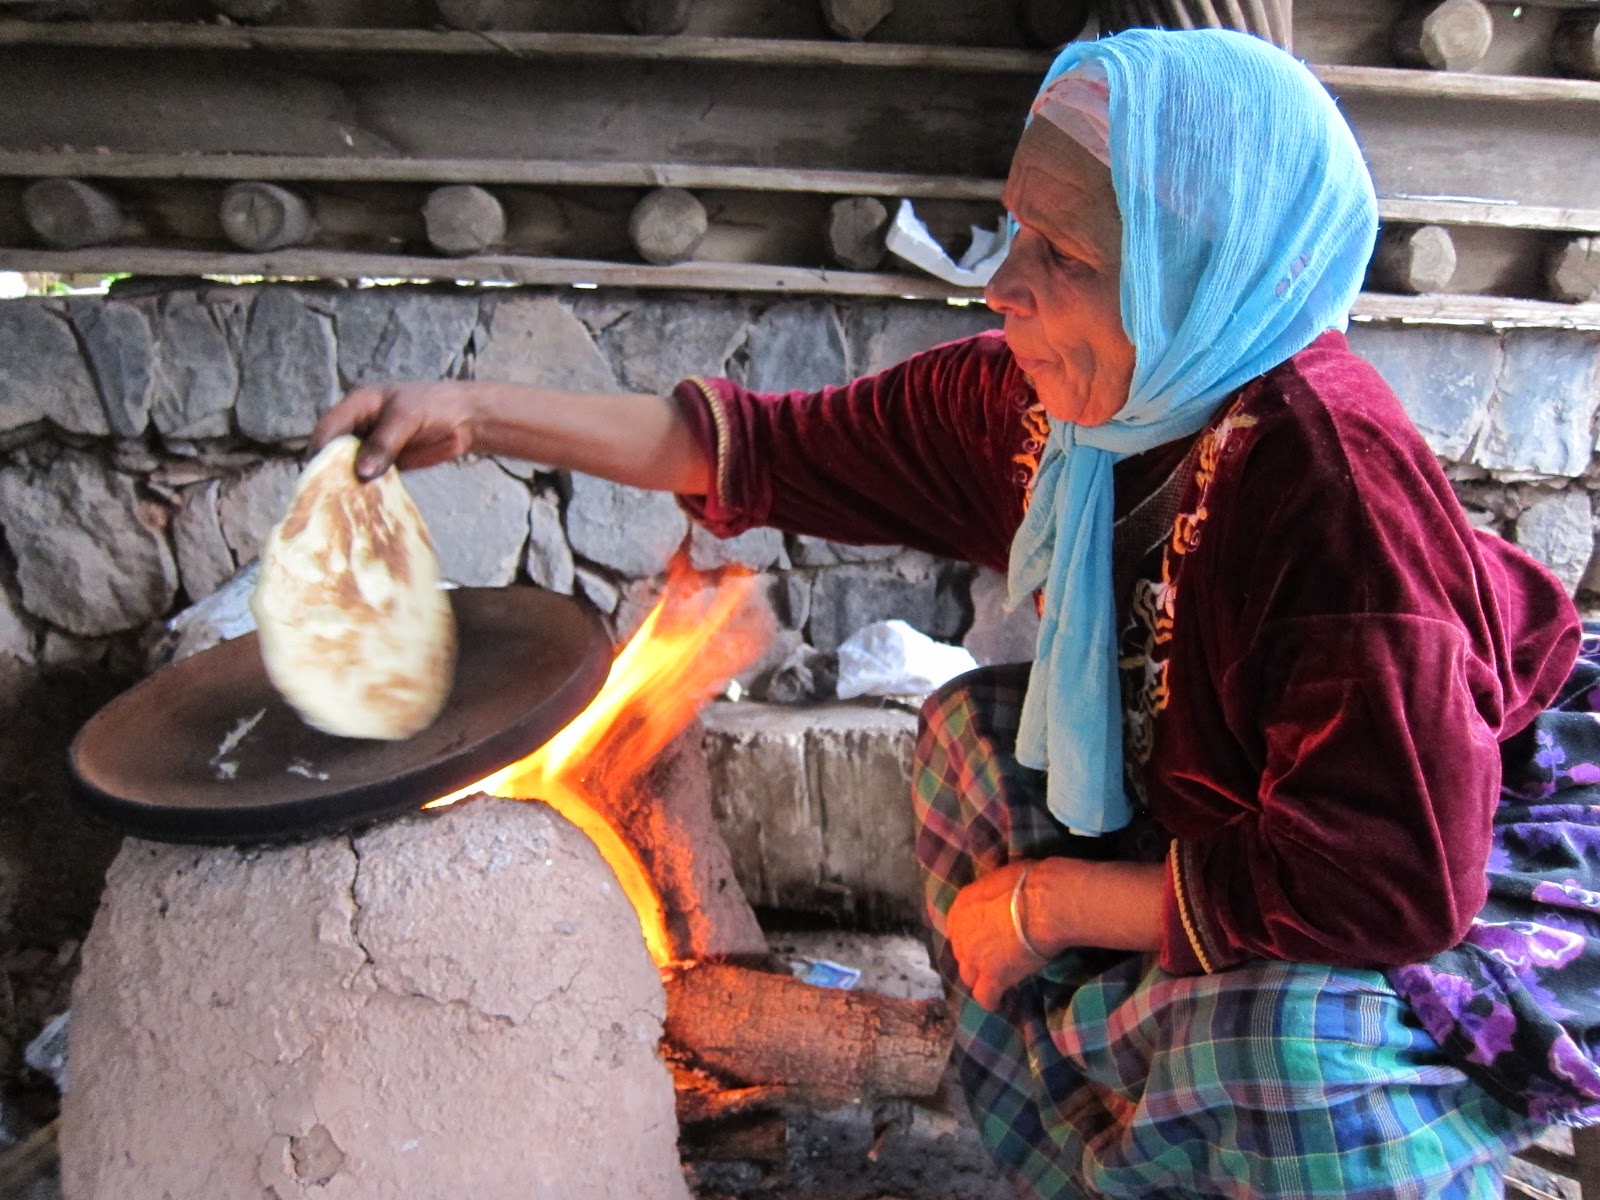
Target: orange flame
x,y
694,641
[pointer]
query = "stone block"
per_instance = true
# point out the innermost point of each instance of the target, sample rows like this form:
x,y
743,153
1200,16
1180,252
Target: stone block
x,y
757,625
952,601
754,549
456,1005
998,636
386,335
784,673
1445,378
627,529
16,639
1559,532
808,551
42,372
539,342
597,589
636,599
478,518
288,371
132,457
61,653
815,805
205,562
796,608
660,342
1591,578
120,346
1542,419
804,675
90,559
249,505
194,379
883,334
550,562
223,615
796,345
844,599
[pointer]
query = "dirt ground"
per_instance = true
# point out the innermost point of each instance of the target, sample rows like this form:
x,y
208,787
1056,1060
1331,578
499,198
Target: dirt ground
x,y
829,1160
923,1152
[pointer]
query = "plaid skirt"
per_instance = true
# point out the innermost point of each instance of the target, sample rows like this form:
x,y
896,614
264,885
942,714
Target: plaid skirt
x,y
1105,1076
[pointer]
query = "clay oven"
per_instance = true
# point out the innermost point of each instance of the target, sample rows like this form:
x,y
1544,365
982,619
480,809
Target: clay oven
x,y
461,1001
452,1004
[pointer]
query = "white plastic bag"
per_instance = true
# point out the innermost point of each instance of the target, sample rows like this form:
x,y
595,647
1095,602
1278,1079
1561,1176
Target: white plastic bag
x,y
908,238
889,658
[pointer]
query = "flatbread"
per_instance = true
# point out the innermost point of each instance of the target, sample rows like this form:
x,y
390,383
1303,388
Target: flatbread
x,y
355,632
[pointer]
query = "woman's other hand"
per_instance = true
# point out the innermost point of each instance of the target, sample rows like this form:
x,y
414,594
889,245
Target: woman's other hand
x,y
1065,902
409,425
989,954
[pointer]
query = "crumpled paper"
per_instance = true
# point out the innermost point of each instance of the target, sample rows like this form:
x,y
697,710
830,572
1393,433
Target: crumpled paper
x,y
908,239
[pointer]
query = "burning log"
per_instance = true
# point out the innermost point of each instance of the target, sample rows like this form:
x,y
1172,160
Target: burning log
x,y
722,1124
752,1028
761,1138
703,1099
627,774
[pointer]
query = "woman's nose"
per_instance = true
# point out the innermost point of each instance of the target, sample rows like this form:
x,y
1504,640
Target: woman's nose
x,y
1006,292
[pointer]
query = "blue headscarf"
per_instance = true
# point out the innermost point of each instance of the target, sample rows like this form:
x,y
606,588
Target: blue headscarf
x,y
1248,218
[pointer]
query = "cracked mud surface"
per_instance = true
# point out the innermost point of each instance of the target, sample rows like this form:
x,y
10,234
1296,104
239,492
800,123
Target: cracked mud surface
x,y
445,1005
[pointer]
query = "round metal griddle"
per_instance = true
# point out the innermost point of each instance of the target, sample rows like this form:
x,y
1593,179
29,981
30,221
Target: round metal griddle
x,y
165,760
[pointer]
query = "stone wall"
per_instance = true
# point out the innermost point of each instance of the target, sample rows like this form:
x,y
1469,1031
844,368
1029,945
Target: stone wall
x,y
1511,414
148,440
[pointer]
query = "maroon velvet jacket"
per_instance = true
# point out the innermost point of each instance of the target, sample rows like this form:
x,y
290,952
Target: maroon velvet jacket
x,y
1331,654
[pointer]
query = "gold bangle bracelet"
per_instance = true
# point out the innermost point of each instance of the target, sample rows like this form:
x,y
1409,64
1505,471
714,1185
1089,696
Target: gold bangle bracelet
x,y
1016,915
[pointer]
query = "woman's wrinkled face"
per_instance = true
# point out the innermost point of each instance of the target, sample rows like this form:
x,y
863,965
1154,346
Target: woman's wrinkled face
x,y
1059,288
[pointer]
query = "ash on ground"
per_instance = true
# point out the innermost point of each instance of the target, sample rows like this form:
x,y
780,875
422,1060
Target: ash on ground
x,y
890,1151
829,1160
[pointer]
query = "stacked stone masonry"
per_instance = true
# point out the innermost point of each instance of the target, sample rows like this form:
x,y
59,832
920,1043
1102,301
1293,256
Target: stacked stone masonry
x,y
148,439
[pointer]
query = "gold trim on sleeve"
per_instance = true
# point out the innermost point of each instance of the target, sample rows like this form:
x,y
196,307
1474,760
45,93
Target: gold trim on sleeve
x,y
1183,910
720,419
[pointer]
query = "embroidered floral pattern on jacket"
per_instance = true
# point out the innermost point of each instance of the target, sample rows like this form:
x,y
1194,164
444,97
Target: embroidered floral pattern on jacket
x,y
1153,608
1036,431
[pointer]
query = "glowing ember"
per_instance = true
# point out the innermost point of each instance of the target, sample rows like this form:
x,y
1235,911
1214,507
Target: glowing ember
x,y
694,640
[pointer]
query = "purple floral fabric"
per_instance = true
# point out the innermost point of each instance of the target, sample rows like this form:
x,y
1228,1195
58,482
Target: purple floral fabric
x,y
1517,1003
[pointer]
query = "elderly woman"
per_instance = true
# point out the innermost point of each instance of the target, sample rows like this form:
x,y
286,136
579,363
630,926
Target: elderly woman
x,y
1226,885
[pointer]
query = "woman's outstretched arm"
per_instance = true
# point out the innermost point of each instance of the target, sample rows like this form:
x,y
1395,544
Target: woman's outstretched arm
x,y
639,440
